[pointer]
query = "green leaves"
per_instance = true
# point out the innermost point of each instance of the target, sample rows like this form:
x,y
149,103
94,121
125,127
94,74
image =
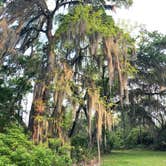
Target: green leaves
x,y
126,3
152,57
85,19
17,150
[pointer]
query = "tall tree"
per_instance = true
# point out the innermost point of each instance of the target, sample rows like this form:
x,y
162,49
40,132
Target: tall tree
x,y
85,40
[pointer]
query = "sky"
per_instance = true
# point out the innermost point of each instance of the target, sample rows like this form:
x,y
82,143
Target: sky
x,y
151,13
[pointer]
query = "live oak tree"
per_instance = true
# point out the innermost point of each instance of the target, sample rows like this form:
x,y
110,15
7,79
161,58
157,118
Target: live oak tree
x,y
78,51
86,47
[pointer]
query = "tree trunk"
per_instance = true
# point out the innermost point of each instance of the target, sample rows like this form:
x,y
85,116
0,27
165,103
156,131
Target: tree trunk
x,y
42,90
58,114
98,149
75,121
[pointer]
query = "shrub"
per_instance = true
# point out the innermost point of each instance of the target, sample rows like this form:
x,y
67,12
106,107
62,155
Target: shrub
x,y
79,140
80,150
138,137
80,154
4,160
161,141
146,138
117,139
62,151
17,150
43,156
54,144
132,138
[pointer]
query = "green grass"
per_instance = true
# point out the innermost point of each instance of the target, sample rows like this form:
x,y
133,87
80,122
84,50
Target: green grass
x,y
134,158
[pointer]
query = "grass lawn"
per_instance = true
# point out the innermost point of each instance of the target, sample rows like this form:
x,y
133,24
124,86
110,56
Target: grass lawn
x,y
134,158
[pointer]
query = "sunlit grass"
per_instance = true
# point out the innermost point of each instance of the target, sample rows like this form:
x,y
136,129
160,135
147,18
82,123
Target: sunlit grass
x,y
135,158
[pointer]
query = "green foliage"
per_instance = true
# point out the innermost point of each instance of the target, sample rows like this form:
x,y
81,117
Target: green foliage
x,y
109,143
79,140
88,20
130,70
80,151
67,120
62,160
54,144
62,151
116,138
16,75
4,160
16,149
161,140
134,138
151,57
1,3
125,3
43,156
138,136
80,154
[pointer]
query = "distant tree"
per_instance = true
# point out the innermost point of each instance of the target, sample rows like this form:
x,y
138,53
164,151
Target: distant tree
x,y
151,78
148,89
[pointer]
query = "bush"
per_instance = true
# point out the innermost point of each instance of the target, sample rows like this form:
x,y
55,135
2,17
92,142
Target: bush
x,y
21,157
4,160
80,154
62,151
17,150
138,137
132,138
43,156
116,140
54,144
80,150
161,141
146,138
79,140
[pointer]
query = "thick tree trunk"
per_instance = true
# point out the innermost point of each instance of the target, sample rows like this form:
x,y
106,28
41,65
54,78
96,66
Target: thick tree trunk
x,y
37,113
42,91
